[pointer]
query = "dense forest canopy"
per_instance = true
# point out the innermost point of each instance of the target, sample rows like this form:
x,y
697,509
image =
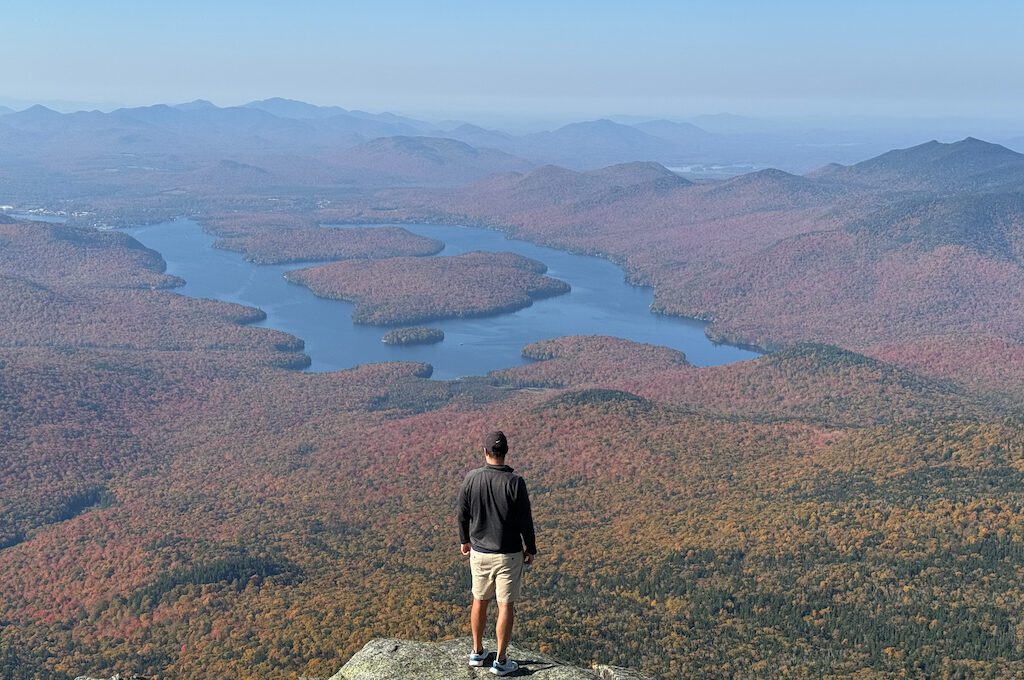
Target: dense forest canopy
x,y
176,499
403,290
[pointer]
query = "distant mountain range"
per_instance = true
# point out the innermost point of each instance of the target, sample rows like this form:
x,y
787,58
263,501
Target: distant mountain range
x,y
296,144
291,108
406,159
197,133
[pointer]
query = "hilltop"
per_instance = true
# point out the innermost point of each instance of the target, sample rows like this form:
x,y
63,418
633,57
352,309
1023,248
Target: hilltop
x,y
968,165
437,160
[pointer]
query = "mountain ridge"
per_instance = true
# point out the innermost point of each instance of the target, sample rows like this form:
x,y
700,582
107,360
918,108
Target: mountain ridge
x,y
968,164
411,158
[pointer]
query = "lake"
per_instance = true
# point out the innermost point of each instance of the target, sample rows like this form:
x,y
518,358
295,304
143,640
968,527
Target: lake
x,y
600,303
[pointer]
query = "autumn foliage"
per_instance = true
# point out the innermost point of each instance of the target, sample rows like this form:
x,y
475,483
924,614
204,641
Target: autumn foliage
x,y
919,245
173,505
280,238
176,500
407,290
416,335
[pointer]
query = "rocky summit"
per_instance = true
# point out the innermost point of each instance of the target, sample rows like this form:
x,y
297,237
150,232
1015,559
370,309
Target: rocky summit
x,y
387,659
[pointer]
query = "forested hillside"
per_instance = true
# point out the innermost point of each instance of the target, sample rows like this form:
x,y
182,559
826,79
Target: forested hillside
x,y
173,501
912,257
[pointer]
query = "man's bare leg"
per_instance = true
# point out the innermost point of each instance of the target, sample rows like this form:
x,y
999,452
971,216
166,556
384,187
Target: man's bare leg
x,y
506,616
477,622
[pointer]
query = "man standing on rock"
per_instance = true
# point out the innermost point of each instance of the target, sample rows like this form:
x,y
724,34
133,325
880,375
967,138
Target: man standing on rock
x,y
496,531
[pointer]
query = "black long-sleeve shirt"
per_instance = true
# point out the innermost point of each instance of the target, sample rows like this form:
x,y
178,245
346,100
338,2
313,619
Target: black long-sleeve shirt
x,y
494,511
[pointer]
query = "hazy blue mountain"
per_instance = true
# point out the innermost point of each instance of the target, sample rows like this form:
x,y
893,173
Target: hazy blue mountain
x,y
203,113
195,105
450,124
604,131
199,133
422,160
592,144
970,164
292,108
34,115
478,136
340,127
637,173
392,118
198,127
679,133
732,124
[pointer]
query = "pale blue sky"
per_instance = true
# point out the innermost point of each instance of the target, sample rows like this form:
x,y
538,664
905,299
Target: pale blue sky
x,y
570,58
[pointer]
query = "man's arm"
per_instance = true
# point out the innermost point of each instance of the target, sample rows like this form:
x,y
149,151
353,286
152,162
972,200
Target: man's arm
x,y
525,514
463,517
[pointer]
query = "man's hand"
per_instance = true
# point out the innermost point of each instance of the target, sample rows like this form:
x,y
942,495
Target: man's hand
x,y
528,558
465,548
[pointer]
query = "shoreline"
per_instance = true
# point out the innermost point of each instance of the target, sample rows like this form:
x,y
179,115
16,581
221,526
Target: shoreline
x,y
628,277
306,363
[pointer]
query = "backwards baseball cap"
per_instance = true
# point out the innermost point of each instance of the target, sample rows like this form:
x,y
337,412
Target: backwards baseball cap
x,y
495,443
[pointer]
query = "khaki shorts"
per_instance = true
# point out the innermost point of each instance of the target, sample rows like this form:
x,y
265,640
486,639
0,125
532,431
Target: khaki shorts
x,y
498,574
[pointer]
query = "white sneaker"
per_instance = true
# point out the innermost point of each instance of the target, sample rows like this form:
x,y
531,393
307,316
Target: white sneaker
x,y
478,660
507,668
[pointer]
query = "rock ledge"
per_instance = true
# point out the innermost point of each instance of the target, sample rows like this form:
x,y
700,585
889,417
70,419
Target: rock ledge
x,y
387,659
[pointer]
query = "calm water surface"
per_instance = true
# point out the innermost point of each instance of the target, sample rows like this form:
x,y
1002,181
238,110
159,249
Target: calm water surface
x,y
601,303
